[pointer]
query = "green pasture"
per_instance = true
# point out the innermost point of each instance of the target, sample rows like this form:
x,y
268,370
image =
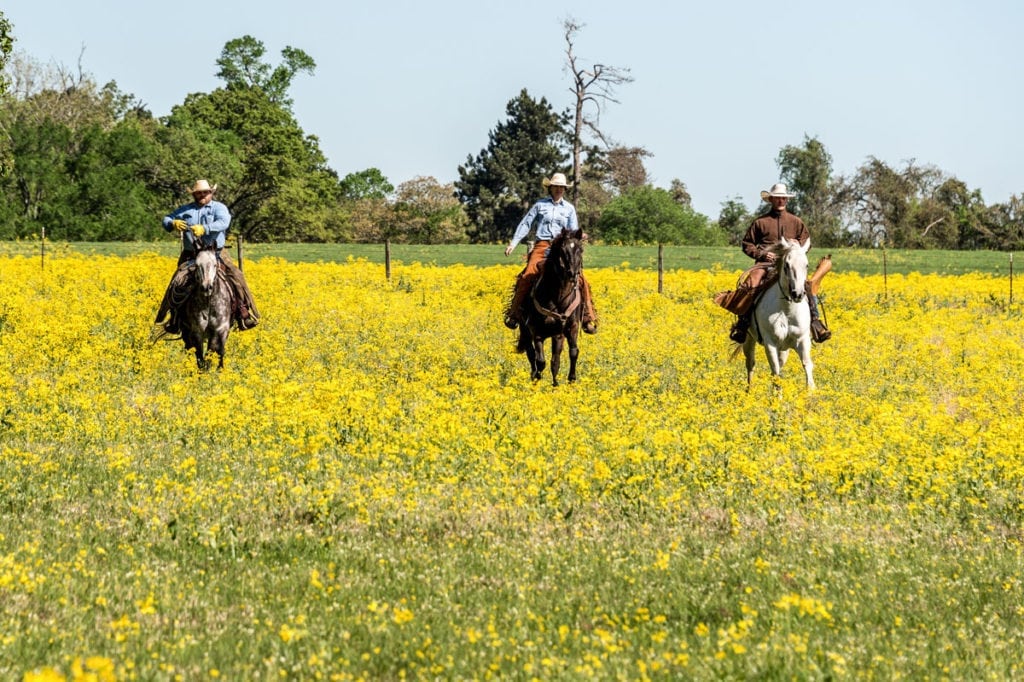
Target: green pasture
x,y
862,261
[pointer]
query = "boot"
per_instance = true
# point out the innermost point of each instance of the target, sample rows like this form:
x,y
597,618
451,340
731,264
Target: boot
x,y
819,332
514,314
244,317
738,333
589,327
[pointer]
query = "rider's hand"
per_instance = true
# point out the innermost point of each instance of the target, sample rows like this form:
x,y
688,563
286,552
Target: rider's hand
x,y
769,256
508,250
197,230
179,225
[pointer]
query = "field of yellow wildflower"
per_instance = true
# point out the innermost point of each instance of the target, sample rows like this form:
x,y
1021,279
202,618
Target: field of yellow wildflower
x,y
373,488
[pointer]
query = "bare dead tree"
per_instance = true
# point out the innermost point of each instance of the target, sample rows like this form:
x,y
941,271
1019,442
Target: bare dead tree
x,y
593,86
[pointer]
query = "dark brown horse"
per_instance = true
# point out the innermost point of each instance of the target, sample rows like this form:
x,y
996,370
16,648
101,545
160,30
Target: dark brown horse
x,y
554,309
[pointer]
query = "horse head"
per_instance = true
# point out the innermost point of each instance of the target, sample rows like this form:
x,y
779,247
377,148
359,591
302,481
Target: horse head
x,y
566,254
791,266
206,270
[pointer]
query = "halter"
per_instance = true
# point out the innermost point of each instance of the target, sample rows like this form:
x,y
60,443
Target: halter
x,y
782,290
573,304
554,315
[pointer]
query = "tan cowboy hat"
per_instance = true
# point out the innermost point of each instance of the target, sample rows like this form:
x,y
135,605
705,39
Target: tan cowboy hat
x,y
202,186
777,190
556,180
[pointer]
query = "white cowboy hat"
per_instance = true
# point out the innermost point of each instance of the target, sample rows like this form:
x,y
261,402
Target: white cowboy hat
x,y
202,186
777,190
556,180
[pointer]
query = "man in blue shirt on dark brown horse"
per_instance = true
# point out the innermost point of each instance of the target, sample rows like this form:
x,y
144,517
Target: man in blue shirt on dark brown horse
x,y
548,218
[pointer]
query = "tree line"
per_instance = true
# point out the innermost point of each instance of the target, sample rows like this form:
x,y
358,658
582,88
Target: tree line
x,y
86,162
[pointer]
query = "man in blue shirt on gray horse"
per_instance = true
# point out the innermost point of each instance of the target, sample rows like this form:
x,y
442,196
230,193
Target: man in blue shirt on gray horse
x,y
203,223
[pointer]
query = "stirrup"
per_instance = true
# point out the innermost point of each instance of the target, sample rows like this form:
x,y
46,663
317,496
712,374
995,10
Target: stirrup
x,y
819,332
589,327
738,333
510,321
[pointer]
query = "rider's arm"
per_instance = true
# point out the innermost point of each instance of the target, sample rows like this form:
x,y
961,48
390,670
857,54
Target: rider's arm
x,y
572,223
524,227
221,218
750,242
175,215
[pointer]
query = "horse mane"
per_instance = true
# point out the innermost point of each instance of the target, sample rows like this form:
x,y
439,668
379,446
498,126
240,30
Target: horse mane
x,y
562,237
781,249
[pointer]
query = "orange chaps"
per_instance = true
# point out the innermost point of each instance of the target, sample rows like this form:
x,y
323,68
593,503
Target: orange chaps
x,y
527,278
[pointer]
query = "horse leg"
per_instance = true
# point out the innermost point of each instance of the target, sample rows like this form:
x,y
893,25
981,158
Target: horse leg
x,y
803,349
574,352
774,359
539,363
749,349
557,343
201,361
217,344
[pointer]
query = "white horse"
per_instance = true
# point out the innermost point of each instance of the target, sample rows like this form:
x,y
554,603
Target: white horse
x,y
782,316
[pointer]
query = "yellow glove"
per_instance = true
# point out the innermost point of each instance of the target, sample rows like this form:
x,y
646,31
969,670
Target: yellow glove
x,y
197,230
179,225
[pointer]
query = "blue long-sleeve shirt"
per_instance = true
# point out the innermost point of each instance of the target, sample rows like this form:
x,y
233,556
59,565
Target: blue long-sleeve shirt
x,y
548,218
214,217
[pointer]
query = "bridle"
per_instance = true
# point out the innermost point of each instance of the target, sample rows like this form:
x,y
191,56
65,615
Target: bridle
x,y
784,269
555,315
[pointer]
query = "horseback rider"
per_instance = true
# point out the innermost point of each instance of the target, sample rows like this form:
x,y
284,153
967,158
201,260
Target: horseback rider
x,y
201,223
760,236
549,217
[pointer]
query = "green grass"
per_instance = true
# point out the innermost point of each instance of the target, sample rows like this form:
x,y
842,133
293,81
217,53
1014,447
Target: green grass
x,y
862,261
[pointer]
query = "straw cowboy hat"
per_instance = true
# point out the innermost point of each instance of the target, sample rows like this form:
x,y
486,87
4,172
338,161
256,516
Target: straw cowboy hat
x,y
202,186
556,180
777,190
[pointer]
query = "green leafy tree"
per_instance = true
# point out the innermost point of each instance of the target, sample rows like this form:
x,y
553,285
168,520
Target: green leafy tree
x,y
242,66
260,151
650,215
6,47
734,219
366,184
890,206
807,171
81,157
1003,224
428,212
502,182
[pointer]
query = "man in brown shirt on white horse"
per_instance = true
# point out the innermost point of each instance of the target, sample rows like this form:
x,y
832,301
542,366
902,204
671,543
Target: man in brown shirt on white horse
x,y
760,236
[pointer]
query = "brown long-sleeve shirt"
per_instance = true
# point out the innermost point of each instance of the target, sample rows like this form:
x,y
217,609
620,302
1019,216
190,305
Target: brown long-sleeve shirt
x,y
768,229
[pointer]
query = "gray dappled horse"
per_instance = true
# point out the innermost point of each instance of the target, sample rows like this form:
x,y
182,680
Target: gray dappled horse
x,y
554,308
206,314
782,316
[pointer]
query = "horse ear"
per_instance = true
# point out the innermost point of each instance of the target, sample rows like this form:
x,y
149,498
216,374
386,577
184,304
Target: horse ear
x,y
806,246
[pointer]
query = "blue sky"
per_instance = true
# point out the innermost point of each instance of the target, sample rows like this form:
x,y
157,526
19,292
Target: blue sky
x,y
413,88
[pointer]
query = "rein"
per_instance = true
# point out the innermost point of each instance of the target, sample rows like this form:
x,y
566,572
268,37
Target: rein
x,y
782,290
564,316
